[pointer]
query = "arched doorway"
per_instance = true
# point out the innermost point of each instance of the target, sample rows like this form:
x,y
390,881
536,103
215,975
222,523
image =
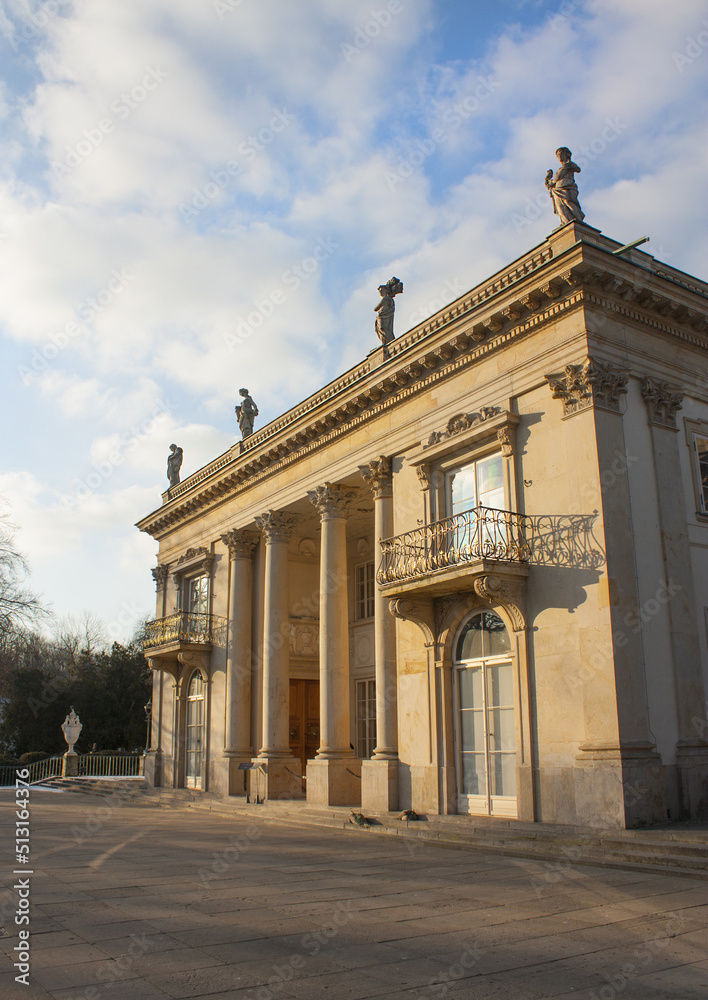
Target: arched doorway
x,y
485,718
195,732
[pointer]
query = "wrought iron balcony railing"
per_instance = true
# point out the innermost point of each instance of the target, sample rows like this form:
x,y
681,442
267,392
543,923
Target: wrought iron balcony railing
x,y
480,533
183,626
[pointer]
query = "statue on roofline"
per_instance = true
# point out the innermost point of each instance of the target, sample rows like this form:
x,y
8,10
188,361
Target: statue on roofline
x,y
174,464
246,413
386,308
563,189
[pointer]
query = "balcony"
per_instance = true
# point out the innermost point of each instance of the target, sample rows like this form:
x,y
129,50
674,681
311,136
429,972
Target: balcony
x,y
183,630
443,555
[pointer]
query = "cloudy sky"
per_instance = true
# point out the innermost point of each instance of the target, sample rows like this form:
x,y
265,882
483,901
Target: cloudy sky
x,y
197,195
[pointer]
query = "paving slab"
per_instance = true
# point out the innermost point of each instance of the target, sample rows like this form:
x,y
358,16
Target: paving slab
x,y
159,904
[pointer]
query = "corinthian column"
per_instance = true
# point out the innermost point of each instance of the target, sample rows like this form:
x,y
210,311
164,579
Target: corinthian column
x,y
237,735
380,775
331,777
275,761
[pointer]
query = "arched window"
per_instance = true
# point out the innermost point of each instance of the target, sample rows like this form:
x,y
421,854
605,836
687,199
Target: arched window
x,y
485,717
195,732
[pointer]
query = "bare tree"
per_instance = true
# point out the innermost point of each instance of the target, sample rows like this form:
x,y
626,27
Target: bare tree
x,y
83,634
20,609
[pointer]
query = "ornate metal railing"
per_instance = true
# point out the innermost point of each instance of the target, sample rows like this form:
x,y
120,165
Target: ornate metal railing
x,y
480,533
183,626
127,765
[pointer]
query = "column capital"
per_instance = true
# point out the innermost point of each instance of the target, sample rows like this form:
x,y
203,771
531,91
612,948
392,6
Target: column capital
x,y
276,525
662,399
159,575
378,475
240,542
332,501
591,383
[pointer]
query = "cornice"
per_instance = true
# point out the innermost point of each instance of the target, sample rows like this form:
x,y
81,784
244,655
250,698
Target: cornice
x,y
536,290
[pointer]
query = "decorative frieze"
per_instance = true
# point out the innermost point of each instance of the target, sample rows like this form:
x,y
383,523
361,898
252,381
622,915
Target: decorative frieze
x,y
592,383
462,422
240,543
159,575
332,501
663,400
378,476
192,554
276,525
304,638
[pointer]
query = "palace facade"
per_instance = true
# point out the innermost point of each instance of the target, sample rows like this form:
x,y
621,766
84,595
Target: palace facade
x,y
470,575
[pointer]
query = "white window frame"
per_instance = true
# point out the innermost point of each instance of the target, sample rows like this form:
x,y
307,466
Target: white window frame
x,y
367,603
366,744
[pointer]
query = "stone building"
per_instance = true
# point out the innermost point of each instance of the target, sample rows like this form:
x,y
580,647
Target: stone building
x,y
468,576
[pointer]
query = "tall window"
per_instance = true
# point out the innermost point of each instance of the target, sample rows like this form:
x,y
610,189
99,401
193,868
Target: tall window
x,y
364,591
195,732
700,445
479,484
197,594
486,727
365,718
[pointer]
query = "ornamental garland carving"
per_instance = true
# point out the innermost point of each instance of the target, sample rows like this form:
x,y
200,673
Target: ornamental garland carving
x,y
662,399
592,383
192,554
462,422
332,501
304,638
240,543
378,476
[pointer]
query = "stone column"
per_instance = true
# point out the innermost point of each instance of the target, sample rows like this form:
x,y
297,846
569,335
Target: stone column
x,y
379,776
237,736
276,773
154,762
662,401
333,778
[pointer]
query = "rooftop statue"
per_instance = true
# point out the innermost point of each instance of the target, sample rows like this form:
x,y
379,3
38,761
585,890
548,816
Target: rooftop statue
x,y
386,309
246,413
174,464
563,189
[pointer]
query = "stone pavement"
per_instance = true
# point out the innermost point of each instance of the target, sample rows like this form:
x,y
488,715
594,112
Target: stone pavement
x,y
134,903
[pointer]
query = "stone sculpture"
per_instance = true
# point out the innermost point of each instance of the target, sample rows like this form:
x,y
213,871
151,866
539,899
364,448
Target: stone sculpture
x,y
71,727
174,464
246,413
563,189
386,309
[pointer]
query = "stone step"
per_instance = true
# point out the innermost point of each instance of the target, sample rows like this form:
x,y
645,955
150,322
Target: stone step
x,y
99,785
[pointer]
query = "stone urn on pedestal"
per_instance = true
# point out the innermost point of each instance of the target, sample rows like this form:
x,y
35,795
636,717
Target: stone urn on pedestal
x,y
71,727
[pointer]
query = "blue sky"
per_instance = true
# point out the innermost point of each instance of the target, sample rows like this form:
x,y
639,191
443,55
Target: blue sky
x,y
169,168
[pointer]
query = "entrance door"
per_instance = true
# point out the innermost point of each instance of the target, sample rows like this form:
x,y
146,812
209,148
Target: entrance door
x,y
486,723
195,732
304,720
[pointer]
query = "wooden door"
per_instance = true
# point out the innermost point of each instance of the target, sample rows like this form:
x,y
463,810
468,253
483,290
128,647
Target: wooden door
x,y
304,720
